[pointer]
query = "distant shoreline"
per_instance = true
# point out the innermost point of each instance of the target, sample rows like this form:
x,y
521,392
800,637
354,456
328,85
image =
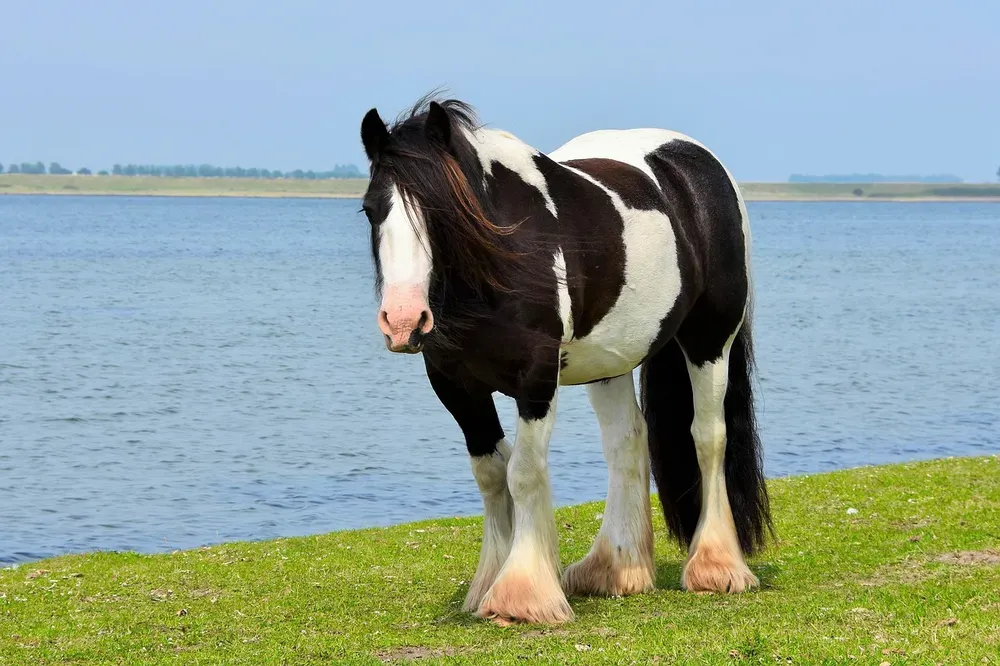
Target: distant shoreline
x,y
146,186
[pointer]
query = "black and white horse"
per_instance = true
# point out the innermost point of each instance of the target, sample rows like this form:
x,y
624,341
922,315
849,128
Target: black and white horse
x,y
517,271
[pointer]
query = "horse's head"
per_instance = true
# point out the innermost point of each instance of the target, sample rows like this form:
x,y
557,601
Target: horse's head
x,y
401,247
427,219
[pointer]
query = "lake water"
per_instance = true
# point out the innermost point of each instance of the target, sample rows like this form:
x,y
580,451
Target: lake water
x,y
177,372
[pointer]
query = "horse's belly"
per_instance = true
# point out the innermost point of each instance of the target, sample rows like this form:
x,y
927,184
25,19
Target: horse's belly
x,y
622,338
586,361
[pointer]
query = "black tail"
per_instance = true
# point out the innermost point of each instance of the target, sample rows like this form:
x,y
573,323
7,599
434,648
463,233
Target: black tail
x,y
669,411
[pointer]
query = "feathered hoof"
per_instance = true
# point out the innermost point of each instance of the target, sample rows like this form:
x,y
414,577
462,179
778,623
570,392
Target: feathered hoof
x,y
517,597
607,572
715,569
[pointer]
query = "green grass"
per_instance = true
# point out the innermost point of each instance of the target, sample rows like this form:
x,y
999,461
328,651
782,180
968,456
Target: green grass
x,y
911,577
354,188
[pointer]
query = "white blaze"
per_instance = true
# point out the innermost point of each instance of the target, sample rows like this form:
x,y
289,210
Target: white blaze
x,y
405,257
403,250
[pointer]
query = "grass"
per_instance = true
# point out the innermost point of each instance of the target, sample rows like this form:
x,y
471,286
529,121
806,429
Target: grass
x,y
183,187
912,576
354,188
869,192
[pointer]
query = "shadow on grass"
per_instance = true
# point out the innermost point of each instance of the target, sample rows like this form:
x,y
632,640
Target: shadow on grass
x,y
668,574
454,615
767,572
668,578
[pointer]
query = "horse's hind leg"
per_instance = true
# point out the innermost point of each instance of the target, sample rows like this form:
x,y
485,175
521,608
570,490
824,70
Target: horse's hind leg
x,y
620,561
715,561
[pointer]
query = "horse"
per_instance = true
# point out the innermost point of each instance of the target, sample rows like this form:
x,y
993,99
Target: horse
x,y
516,271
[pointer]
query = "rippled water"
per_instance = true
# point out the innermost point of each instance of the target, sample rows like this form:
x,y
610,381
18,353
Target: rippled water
x,y
175,372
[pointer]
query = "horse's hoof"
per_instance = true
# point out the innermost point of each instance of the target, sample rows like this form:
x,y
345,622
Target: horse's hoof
x,y
717,569
518,597
610,572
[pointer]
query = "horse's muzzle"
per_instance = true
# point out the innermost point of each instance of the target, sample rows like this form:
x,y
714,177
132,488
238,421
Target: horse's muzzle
x,y
405,319
414,345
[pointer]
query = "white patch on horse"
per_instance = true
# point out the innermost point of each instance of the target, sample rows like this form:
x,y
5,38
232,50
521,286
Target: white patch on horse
x,y
623,431
621,339
562,291
503,147
403,249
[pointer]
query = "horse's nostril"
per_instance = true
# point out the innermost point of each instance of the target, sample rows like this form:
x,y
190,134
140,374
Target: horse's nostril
x,y
423,320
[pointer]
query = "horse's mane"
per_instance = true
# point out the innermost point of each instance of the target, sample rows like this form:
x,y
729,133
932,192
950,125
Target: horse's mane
x,y
460,112
470,244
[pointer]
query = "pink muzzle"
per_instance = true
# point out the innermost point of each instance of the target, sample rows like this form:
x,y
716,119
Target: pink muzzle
x,y
405,318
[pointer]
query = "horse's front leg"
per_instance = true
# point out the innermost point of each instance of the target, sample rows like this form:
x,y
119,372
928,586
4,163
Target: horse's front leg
x,y
473,409
527,588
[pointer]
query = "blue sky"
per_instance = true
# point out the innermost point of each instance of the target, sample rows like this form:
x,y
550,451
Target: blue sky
x,y
772,87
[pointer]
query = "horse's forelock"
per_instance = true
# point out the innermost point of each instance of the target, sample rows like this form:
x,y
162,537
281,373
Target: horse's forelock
x,y
444,184
465,240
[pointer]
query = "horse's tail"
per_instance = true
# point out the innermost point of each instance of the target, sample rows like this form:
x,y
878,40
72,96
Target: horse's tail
x,y
668,407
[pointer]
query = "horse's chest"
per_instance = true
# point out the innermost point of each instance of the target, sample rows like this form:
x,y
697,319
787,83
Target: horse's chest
x,y
652,283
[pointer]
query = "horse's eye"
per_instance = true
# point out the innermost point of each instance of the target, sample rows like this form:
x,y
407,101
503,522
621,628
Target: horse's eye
x,y
369,213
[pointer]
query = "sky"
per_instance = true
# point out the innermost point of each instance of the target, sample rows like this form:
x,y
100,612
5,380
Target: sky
x,y
773,88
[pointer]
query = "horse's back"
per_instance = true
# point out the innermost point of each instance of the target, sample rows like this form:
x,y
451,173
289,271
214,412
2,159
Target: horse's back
x,y
698,189
703,199
630,146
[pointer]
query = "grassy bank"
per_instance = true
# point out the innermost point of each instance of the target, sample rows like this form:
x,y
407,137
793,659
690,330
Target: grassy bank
x,y
180,187
897,564
352,188
870,192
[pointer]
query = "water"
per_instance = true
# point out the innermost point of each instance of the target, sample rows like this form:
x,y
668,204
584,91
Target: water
x,y
176,372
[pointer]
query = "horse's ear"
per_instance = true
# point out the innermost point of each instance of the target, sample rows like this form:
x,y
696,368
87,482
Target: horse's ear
x,y
374,134
438,125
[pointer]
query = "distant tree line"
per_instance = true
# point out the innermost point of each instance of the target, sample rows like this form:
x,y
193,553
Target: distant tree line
x,y
189,171
211,171
35,167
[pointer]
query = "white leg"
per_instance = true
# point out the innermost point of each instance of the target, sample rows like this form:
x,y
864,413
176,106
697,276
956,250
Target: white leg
x,y
621,559
491,477
715,562
527,587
